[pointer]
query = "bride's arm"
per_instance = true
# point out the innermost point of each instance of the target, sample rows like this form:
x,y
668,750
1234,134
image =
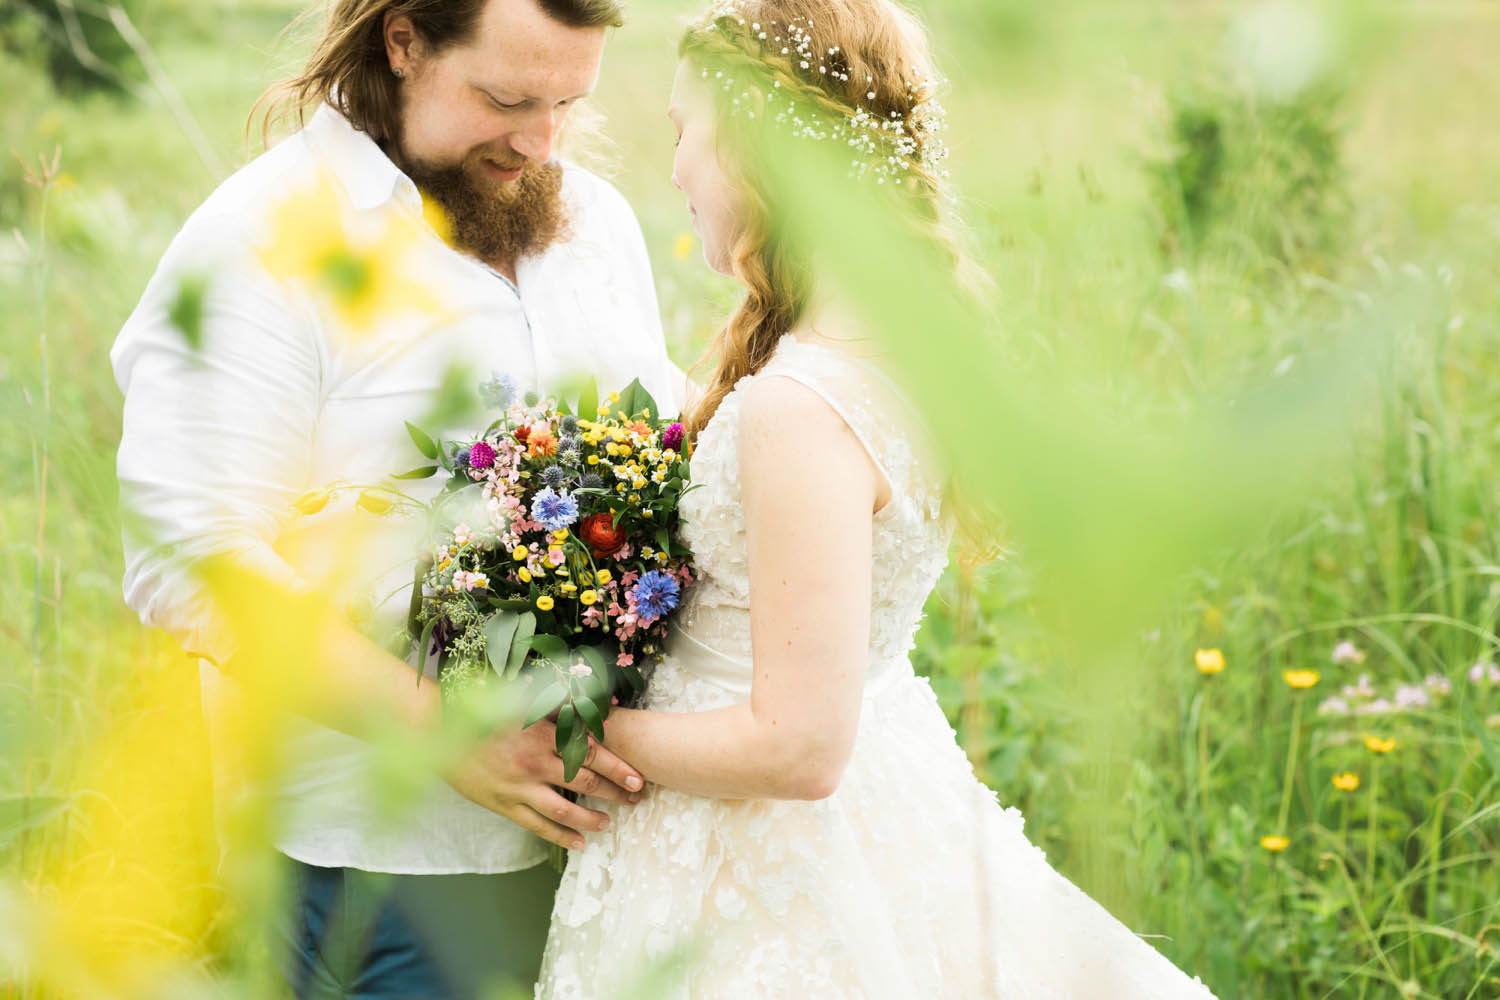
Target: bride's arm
x,y
809,492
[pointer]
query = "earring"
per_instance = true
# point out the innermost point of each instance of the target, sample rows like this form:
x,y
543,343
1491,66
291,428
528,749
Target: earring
x,y
398,71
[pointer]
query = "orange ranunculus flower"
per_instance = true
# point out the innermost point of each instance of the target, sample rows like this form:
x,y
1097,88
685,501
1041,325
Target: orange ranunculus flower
x,y
600,534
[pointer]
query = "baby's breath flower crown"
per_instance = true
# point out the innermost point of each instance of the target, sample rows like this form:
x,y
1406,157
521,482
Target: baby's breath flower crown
x,y
777,72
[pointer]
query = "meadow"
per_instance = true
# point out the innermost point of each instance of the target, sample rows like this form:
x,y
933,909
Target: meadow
x,y
1243,688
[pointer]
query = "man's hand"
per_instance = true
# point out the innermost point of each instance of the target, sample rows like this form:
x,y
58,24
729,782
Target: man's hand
x,y
513,773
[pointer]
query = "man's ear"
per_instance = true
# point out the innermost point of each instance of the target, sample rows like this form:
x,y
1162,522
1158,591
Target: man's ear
x,y
403,47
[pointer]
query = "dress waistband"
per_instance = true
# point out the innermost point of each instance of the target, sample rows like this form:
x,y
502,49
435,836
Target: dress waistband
x,y
735,674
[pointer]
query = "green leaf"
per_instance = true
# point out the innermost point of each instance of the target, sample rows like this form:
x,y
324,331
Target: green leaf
x,y
635,399
552,696
23,812
633,676
574,751
589,713
373,502
499,633
186,310
567,718
588,399
664,540
551,647
521,645
422,441
422,472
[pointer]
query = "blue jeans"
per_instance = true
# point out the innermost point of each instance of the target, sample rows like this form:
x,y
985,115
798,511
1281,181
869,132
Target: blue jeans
x,y
378,937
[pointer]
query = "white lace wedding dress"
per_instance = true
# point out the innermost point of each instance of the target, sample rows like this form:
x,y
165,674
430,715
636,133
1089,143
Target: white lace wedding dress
x,y
910,880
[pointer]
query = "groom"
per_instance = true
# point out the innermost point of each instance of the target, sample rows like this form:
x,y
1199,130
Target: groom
x,y
540,273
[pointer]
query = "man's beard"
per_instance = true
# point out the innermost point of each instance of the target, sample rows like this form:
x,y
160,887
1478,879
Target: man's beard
x,y
497,221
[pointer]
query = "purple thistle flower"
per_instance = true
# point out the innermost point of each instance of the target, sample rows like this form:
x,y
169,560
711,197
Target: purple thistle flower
x,y
482,455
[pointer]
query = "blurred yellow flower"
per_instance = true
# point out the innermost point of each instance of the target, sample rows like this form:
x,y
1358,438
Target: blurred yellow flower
x,y
1213,620
683,246
1274,842
1300,679
519,554
1379,745
544,603
588,597
1346,782
524,574
1210,661
603,576
359,271
436,216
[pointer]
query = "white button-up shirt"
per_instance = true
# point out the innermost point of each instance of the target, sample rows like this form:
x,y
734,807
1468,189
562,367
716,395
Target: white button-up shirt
x,y
221,438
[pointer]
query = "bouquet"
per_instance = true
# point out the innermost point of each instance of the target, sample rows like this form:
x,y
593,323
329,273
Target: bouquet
x,y
554,557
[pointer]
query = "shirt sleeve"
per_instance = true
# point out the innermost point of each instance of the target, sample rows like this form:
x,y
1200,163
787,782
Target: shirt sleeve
x,y
217,436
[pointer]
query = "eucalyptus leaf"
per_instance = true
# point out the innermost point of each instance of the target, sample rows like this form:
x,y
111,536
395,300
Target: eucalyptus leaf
x,y
499,633
567,719
551,647
589,713
635,399
424,443
546,703
421,472
574,751
521,644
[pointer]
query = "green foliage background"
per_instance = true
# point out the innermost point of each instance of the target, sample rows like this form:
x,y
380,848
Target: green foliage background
x,y
1173,237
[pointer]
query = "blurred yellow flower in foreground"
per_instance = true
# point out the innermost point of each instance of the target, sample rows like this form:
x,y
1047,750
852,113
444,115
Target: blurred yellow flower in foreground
x,y
1300,679
1274,842
1346,782
1379,745
355,264
684,246
1209,661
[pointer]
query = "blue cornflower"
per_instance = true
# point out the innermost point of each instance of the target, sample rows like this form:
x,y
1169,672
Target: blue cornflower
x,y
555,476
498,392
655,594
554,511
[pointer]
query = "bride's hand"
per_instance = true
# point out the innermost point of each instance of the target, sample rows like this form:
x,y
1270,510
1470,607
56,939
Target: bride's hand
x,y
513,773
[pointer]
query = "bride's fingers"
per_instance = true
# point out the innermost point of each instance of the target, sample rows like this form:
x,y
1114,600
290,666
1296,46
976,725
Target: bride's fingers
x,y
586,782
559,810
529,819
605,764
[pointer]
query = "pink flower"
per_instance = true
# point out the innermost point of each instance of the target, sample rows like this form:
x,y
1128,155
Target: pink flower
x,y
1411,696
1333,706
624,660
672,437
581,670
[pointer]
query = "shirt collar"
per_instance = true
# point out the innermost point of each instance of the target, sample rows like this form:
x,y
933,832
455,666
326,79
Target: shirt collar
x,y
360,165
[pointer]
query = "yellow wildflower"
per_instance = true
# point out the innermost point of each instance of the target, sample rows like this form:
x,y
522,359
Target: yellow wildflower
x,y
1209,661
603,576
356,263
544,603
570,588
593,459
520,553
1346,782
524,574
683,246
588,597
1300,679
1274,842
1379,745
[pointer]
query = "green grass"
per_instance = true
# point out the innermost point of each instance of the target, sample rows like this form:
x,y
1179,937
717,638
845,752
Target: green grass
x,y
1148,783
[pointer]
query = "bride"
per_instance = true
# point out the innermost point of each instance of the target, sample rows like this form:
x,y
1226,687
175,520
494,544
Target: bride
x,y
810,827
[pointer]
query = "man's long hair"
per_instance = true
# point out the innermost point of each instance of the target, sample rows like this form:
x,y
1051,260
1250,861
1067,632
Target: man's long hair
x,y
349,68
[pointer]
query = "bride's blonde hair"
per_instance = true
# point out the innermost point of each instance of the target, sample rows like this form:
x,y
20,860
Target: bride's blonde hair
x,y
875,62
